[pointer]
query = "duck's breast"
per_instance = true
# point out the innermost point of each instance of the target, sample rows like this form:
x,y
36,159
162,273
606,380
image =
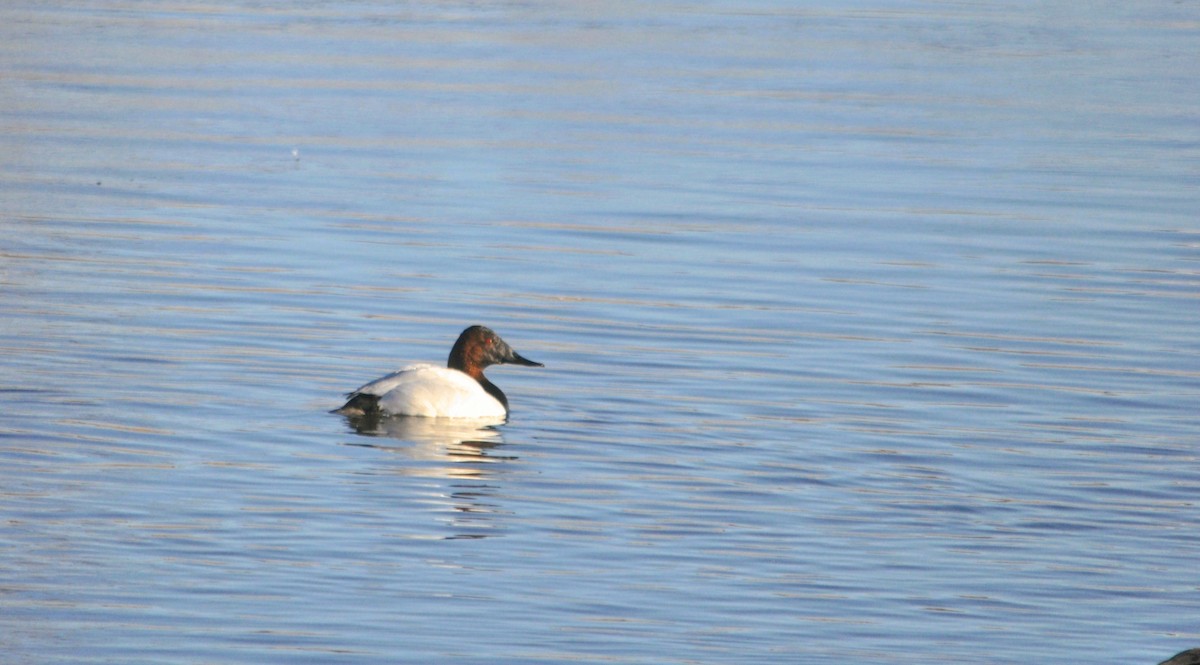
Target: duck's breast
x,y
429,390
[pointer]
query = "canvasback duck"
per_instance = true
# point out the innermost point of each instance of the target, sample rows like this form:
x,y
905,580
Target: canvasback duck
x,y
459,390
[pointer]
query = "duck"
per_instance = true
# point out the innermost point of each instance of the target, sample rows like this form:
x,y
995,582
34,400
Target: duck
x,y
458,390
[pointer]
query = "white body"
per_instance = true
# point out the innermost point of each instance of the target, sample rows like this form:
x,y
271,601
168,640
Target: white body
x,y
429,390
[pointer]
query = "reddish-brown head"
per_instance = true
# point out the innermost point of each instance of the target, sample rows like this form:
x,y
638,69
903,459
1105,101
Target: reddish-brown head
x,y
478,347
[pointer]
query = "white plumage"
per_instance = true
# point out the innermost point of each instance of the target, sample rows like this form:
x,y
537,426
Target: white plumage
x,y
429,390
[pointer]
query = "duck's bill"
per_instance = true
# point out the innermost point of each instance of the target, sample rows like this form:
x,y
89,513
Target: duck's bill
x,y
518,359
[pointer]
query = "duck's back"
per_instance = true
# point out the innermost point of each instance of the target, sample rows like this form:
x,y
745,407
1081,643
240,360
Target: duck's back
x,y
429,390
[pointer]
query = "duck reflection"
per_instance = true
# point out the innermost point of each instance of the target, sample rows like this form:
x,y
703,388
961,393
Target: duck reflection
x,y
463,451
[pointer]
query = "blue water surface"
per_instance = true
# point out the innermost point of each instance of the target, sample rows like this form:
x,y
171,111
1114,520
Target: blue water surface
x,y
869,332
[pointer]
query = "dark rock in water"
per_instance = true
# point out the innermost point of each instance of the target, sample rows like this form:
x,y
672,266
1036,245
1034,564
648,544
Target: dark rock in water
x,y
1189,657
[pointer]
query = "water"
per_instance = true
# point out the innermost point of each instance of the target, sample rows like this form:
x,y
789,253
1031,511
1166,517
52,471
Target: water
x,y
869,332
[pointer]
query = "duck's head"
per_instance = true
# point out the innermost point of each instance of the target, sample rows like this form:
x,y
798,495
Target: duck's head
x,y
478,347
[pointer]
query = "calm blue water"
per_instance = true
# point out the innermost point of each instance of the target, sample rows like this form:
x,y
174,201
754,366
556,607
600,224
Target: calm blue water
x,y
870,332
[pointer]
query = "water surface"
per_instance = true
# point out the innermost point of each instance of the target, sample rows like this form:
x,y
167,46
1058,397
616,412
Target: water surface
x,y
869,332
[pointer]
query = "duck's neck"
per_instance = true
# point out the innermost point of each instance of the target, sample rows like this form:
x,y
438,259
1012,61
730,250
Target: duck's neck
x,y
493,390
459,362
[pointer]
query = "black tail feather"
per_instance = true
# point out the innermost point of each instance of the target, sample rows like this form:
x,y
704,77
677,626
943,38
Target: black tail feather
x,y
359,404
